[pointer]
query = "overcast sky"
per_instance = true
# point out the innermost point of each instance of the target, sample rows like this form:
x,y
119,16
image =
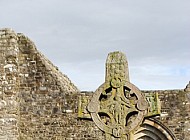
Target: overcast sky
x,y
77,35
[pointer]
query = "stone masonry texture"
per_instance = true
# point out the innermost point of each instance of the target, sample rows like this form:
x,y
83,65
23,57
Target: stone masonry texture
x,y
38,102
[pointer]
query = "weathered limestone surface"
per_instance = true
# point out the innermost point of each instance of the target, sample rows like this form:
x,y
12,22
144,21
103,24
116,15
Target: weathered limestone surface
x,y
38,102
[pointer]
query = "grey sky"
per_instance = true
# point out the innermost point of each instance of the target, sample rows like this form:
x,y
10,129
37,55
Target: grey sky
x,y
77,35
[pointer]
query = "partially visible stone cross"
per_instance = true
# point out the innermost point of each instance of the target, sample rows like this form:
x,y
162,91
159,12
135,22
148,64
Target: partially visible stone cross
x,y
117,106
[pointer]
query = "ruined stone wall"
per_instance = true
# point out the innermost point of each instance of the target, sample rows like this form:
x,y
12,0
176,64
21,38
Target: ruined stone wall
x,y
175,112
36,100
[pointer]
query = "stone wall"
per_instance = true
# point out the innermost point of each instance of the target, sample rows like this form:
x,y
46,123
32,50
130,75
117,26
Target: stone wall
x,y
9,85
38,102
53,116
175,112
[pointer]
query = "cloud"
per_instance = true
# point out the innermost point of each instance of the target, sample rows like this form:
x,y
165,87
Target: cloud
x,y
77,36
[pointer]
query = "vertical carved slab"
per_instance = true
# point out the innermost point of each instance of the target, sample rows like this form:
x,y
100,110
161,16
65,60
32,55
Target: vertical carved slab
x,y
117,65
82,107
154,104
117,106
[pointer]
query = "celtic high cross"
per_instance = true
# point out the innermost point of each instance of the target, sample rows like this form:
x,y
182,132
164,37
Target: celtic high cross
x,y
117,107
